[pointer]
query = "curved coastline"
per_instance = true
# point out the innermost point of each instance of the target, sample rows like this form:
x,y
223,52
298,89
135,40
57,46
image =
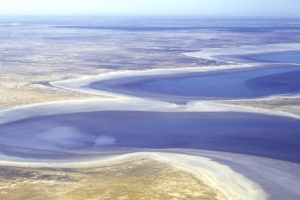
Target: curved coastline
x,y
191,161
192,105
261,176
220,177
231,84
81,84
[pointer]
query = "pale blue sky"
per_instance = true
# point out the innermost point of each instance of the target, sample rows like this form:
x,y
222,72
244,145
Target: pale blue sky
x,y
203,8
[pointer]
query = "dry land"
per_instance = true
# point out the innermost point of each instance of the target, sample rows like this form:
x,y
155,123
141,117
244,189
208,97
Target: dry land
x,y
137,179
278,104
16,90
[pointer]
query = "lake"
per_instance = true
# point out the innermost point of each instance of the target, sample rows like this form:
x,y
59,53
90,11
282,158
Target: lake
x,y
221,84
81,134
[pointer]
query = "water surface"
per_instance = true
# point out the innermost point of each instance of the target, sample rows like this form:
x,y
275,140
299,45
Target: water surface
x,y
277,57
77,134
222,84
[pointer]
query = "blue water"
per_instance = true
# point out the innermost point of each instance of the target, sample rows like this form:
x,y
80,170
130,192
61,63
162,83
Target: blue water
x,y
278,57
52,136
230,84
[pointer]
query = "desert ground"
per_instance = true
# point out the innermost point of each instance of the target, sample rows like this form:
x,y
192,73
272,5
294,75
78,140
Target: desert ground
x,y
138,179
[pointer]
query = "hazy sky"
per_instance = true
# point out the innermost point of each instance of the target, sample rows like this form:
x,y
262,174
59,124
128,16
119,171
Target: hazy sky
x,y
205,8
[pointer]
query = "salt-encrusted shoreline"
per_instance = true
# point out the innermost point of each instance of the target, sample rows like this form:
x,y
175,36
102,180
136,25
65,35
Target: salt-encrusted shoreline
x,y
220,177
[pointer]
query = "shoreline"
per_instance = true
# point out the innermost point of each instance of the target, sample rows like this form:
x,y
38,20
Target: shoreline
x,y
267,178
238,174
77,84
136,104
214,174
204,166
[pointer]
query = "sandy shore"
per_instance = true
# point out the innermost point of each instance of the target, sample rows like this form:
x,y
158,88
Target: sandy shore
x,y
129,104
197,106
243,175
281,105
141,178
236,176
279,179
220,177
16,90
79,83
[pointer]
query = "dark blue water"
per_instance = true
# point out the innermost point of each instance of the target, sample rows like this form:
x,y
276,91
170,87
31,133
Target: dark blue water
x,y
278,57
230,84
51,136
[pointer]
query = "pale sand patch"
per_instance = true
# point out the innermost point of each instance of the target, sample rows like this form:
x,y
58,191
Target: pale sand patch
x,y
275,107
142,178
282,105
217,176
22,90
279,179
133,104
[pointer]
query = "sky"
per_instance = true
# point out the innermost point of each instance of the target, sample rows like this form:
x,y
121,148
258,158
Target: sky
x,y
201,8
